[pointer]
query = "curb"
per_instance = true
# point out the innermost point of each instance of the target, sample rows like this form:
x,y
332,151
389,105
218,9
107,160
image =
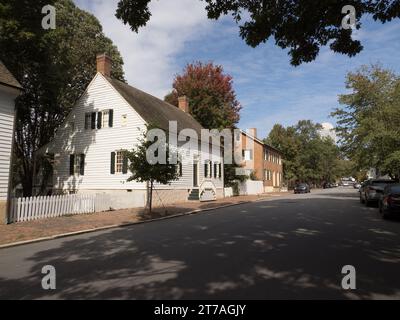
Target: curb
x,y
121,225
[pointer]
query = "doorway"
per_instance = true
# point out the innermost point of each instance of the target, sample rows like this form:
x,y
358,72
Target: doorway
x,y
195,174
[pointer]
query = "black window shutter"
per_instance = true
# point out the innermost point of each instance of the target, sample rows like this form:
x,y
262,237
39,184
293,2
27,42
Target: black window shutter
x,y
215,170
206,170
180,168
125,165
71,164
110,118
112,167
219,170
82,173
98,120
93,124
210,169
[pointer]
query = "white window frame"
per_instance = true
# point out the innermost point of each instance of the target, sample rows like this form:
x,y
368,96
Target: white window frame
x,y
77,164
105,116
119,161
248,154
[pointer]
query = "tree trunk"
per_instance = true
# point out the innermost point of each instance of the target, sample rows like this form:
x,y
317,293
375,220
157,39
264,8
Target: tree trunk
x,y
26,178
151,196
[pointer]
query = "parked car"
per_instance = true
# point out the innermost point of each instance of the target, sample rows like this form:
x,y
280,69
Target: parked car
x,y
372,190
357,185
389,203
302,188
328,185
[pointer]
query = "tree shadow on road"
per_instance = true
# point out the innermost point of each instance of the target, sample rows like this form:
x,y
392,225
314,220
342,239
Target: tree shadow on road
x,y
263,250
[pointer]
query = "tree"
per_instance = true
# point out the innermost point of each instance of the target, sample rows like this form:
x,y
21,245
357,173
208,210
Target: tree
x,y
307,156
301,26
285,140
145,171
212,97
368,124
53,66
231,178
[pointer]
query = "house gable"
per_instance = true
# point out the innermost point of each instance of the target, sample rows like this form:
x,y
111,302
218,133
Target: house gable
x,y
74,138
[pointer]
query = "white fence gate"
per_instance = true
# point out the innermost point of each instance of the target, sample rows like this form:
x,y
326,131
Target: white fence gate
x,y
33,208
250,187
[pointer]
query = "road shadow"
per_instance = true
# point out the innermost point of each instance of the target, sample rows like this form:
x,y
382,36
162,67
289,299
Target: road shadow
x,y
171,210
272,249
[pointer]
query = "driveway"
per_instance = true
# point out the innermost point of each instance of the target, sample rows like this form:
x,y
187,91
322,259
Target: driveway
x,y
291,247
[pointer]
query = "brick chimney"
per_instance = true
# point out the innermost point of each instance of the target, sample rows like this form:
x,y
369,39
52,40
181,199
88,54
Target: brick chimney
x,y
252,132
104,64
183,103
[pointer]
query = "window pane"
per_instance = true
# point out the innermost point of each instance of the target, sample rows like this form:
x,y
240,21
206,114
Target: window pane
x,y
105,118
77,164
247,155
119,161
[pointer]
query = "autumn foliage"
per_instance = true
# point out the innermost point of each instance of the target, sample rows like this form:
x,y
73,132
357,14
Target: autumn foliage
x,y
212,99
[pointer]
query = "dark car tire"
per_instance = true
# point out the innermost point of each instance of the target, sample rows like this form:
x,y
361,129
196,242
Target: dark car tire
x,y
385,215
383,212
367,202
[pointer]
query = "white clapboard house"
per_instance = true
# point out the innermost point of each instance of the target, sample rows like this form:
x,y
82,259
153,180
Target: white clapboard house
x,y
9,90
110,117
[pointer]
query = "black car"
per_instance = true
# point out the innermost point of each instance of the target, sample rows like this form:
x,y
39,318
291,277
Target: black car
x,y
389,202
328,185
302,188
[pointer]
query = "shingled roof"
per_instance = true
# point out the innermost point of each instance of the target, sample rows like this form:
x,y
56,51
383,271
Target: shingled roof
x,y
6,78
153,110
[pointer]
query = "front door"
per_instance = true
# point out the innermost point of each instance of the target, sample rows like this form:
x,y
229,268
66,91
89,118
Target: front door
x,y
195,174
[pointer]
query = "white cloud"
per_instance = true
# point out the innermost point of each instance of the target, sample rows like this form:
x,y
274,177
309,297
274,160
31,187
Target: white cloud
x,y
328,130
149,56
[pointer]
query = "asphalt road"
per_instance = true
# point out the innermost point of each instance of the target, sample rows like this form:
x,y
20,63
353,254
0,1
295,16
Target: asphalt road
x,y
291,247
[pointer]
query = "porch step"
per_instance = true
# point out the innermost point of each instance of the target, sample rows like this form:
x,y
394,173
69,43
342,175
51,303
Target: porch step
x,y
194,195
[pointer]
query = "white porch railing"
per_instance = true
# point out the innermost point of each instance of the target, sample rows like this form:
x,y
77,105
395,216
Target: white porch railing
x,y
33,208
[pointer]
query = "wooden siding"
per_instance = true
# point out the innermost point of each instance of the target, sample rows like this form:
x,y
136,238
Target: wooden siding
x,y
6,131
97,144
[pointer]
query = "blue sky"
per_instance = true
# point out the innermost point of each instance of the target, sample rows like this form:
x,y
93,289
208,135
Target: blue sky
x,y
268,87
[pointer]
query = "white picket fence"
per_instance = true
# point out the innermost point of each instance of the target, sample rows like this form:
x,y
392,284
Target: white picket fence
x,y
33,208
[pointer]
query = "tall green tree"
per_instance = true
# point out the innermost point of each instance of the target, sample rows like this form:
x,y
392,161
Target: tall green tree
x,y
301,26
368,122
285,140
210,91
144,170
54,67
307,156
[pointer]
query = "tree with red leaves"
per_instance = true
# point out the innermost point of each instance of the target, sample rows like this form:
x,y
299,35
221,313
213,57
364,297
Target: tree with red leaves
x,y
212,99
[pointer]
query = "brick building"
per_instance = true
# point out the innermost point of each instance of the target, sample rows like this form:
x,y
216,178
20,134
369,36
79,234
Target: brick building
x,y
261,160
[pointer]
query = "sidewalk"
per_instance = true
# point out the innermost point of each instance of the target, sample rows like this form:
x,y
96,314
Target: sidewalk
x,y
31,230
